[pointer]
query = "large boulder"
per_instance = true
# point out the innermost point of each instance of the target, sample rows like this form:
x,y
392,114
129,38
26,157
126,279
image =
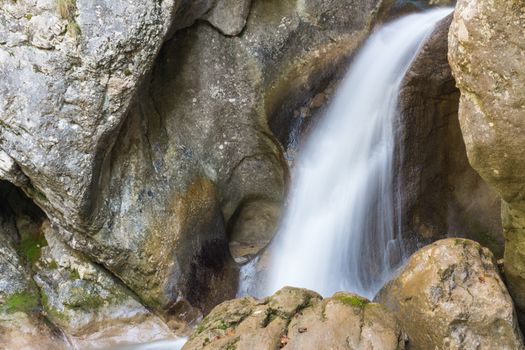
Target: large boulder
x,y
442,194
298,319
486,45
450,296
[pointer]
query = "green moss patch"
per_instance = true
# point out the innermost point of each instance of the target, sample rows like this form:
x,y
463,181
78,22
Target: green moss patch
x,y
352,300
21,302
30,247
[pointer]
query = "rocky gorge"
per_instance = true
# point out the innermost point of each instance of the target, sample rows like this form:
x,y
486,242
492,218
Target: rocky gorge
x,y
145,156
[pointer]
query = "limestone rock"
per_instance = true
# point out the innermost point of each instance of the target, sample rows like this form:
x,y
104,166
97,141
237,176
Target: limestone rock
x,y
229,16
144,165
486,46
450,296
442,194
88,305
195,155
13,275
21,324
84,60
26,331
298,319
256,222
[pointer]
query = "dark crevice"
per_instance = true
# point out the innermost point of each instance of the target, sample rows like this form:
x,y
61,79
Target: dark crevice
x,y
20,218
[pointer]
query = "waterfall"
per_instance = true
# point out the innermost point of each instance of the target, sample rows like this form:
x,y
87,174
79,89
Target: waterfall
x,y
339,229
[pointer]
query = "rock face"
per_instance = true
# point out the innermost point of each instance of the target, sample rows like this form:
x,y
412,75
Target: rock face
x,y
146,166
298,319
229,16
442,194
88,305
149,145
450,296
486,45
52,297
86,60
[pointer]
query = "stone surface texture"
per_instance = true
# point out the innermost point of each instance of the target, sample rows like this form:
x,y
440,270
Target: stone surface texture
x,y
442,194
486,53
296,318
450,296
147,139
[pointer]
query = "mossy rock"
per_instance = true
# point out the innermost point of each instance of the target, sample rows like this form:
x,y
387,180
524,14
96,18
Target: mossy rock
x,y
351,299
26,301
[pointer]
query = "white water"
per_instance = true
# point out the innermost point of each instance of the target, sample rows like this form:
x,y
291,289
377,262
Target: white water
x,y
176,344
339,230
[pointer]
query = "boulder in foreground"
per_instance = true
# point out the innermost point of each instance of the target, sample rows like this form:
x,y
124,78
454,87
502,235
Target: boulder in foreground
x,y
296,318
451,296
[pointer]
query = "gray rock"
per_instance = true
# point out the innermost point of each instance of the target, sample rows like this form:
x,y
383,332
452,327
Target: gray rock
x,y
13,275
486,45
144,167
88,305
229,16
85,61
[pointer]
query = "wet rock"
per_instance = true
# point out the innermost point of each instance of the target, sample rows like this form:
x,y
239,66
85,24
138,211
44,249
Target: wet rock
x,y
442,194
21,324
180,179
26,331
404,7
450,295
87,304
486,44
86,60
13,275
298,319
251,228
141,166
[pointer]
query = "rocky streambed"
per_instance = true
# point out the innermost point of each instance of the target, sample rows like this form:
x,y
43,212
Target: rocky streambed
x,y
145,152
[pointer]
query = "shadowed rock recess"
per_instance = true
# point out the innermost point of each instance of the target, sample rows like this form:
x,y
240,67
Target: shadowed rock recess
x,y
145,134
440,193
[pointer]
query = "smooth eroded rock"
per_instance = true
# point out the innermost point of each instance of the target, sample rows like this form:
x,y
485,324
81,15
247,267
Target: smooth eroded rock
x,y
92,308
486,53
450,296
229,16
442,194
296,318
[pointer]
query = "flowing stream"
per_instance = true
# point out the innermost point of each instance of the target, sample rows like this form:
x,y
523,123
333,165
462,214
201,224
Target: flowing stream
x,y
339,230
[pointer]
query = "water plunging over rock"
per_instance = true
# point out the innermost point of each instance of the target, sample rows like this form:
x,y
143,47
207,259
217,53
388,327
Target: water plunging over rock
x,y
339,230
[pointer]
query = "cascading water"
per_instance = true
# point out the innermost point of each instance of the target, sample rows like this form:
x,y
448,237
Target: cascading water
x,y
339,229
